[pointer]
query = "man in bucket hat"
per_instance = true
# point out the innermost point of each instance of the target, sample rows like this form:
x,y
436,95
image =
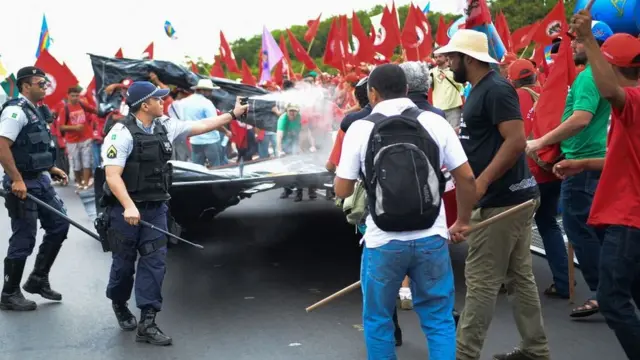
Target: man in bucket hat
x,y
492,135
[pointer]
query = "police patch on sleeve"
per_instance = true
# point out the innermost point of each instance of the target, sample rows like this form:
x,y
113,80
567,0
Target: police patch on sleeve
x,y
14,115
112,152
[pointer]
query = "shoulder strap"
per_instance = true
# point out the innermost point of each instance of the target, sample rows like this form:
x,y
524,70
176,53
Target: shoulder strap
x,y
374,117
413,112
66,113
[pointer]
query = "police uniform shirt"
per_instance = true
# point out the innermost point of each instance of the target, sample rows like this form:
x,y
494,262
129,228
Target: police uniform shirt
x,y
13,119
118,144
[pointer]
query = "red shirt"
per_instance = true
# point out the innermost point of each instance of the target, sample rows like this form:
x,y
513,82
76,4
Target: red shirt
x,y
77,116
617,199
526,103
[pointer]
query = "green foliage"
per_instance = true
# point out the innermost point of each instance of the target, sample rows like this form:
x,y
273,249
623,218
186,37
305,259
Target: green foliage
x,y
518,13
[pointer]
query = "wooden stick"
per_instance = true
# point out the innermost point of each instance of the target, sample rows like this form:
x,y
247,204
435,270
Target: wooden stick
x,y
572,274
308,49
476,227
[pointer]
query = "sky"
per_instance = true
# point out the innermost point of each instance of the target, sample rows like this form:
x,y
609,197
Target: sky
x,y
77,29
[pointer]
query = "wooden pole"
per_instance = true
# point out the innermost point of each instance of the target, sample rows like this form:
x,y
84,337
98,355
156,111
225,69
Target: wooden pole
x,y
516,209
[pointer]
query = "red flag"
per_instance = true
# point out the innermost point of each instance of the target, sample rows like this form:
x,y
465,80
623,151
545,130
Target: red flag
x,y
344,39
334,51
427,44
550,106
227,55
477,14
70,73
313,29
552,26
247,77
388,38
194,68
502,27
147,54
361,42
442,38
300,53
283,68
216,69
521,38
119,54
61,79
415,39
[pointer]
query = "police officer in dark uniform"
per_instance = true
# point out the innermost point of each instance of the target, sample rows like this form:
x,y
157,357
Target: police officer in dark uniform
x,y
26,152
135,154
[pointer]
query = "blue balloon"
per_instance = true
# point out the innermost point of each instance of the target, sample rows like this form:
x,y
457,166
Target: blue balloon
x,y
620,15
601,31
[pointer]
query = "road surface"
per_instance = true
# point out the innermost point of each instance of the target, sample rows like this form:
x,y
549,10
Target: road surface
x,y
244,296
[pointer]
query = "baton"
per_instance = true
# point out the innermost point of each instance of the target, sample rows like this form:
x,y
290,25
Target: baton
x,y
153,227
478,226
4,194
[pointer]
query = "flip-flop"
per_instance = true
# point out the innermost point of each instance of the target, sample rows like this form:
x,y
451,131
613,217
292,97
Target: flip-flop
x,y
585,310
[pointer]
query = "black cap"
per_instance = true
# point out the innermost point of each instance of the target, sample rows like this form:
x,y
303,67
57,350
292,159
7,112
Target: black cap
x,y
29,71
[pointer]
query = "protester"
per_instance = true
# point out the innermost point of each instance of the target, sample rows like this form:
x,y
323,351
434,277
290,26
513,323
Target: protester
x,y
522,74
204,148
492,134
446,91
616,202
581,135
73,121
181,146
420,252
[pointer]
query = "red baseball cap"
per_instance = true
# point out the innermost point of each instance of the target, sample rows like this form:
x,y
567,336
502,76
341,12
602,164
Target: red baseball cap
x,y
521,69
622,50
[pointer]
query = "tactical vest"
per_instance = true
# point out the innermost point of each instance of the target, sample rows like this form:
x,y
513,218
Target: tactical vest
x,y
147,173
33,150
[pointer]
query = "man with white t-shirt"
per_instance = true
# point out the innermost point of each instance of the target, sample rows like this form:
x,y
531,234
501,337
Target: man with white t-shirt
x,y
421,254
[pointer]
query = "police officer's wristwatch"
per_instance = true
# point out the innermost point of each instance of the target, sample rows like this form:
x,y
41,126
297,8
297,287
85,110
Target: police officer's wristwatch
x,y
233,115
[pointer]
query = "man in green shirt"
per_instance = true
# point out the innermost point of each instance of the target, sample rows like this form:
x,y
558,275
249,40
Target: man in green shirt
x,y
288,142
581,135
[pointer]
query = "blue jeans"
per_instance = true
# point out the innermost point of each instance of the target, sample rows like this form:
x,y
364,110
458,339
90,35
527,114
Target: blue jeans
x,y
428,264
551,235
619,284
200,153
263,146
96,155
576,196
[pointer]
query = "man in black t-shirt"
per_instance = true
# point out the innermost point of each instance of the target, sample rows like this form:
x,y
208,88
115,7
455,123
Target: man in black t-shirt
x,y
492,135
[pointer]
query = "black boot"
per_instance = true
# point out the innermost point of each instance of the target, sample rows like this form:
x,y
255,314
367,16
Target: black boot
x,y
285,193
298,197
148,331
12,298
38,282
126,320
312,193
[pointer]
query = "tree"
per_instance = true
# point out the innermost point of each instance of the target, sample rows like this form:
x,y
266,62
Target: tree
x,y
518,13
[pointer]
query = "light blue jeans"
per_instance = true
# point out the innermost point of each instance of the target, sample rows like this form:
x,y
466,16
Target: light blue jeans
x,y
427,263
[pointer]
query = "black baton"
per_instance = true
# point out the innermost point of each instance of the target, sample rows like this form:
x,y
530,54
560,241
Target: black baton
x,y
4,194
153,227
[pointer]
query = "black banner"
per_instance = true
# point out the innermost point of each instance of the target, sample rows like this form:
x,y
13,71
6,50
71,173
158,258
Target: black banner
x,y
109,71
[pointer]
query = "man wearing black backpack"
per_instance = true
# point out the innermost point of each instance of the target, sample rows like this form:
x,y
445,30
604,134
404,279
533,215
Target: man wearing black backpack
x,y
492,133
399,151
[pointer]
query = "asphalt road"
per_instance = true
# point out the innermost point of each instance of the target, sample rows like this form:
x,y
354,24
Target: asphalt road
x,y
244,296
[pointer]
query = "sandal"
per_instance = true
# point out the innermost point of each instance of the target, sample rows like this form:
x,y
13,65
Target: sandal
x,y
552,292
590,307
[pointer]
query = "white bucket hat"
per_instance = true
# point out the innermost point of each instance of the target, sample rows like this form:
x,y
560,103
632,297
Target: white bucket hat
x,y
469,42
205,84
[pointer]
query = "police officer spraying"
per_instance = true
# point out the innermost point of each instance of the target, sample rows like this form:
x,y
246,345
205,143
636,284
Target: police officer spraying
x,y
135,154
26,152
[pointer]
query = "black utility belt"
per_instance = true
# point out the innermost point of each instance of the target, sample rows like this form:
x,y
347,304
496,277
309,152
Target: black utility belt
x,y
31,175
149,204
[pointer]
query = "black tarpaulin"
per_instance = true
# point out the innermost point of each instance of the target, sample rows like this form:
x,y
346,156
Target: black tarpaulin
x,y
112,70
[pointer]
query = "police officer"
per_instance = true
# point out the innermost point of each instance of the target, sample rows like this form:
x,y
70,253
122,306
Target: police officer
x,y
26,152
135,154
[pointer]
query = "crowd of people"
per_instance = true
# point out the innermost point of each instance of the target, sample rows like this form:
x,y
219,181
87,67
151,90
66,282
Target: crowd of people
x,y
400,129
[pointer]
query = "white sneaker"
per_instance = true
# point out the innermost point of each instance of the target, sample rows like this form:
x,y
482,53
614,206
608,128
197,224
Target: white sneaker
x,y
406,302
